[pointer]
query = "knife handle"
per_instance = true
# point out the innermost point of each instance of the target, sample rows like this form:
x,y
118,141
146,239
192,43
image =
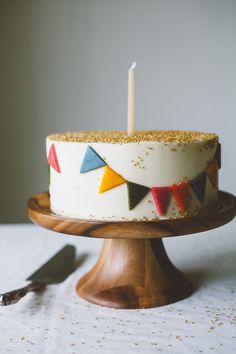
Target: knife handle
x,y
14,296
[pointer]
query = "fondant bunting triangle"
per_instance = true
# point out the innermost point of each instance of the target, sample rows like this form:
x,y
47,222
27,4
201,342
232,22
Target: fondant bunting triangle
x,y
198,185
161,197
180,192
110,179
136,192
218,155
52,159
48,172
91,161
212,172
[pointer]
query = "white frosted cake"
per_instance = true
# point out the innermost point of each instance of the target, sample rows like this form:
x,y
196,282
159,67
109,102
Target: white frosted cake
x,y
151,175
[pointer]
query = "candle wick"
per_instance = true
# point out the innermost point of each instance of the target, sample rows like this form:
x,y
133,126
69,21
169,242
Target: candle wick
x,y
134,64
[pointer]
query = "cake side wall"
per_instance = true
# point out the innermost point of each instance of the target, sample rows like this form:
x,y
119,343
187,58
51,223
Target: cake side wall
x,y
151,164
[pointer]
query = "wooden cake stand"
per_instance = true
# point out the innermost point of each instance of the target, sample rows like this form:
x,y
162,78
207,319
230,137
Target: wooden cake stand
x,y
133,270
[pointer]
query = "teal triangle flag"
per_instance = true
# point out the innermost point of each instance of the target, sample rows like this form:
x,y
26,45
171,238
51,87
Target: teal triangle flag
x,y
91,161
136,192
198,185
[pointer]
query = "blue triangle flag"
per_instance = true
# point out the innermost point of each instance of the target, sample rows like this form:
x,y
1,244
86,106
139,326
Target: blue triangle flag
x,y
198,185
91,161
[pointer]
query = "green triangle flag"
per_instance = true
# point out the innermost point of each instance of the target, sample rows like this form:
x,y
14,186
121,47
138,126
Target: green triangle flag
x,y
48,172
136,192
218,155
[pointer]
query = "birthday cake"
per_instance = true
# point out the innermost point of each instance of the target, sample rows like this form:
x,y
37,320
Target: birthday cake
x,y
151,175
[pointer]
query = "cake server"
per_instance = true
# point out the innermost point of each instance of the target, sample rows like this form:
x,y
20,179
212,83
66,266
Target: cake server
x,y
55,271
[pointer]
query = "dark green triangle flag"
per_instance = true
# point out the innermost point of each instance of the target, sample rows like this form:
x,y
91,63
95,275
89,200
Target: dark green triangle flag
x,y
136,192
218,155
48,172
198,185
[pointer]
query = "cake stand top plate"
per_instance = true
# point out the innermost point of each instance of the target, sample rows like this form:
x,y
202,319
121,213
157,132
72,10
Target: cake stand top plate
x,y
40,213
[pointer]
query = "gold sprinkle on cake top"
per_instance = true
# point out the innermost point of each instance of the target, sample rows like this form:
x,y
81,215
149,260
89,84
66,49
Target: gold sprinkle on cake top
x,y
120,136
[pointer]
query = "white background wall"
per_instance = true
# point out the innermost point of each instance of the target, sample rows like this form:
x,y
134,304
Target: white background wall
x,y
63,66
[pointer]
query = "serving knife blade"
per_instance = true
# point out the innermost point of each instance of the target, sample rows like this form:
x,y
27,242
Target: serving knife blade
x,y
54,271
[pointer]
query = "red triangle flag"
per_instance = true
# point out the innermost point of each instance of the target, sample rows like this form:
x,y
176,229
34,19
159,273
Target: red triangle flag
x,y
180,192
52,159
161,197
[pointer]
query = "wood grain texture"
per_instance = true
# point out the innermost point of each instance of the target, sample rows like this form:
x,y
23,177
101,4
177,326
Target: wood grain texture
x,y
132,274
133,269
40,213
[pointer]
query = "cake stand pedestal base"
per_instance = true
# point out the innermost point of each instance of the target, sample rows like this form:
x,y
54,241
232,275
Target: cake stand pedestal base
x,y
133,273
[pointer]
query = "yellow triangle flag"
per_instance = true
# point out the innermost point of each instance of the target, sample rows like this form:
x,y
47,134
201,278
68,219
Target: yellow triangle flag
x,y
212,172
110,179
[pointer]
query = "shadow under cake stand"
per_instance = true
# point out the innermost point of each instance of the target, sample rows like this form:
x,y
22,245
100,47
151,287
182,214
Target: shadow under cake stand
x,y
133,269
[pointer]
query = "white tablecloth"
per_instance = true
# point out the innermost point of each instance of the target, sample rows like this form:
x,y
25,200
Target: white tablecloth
x,y
58,321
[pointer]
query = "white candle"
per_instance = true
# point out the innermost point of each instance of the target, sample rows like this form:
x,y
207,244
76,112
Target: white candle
x,y
131,108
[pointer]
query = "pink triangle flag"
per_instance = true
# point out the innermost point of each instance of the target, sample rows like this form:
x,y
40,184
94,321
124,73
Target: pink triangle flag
x,y
52,159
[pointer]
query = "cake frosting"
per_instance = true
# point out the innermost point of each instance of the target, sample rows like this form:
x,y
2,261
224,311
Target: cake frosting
x,y
151,175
